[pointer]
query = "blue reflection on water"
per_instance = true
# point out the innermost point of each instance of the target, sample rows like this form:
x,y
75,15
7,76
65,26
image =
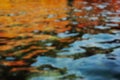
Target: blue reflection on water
x,y
102,27
95,67
64,35
101,37
71,50
56,62
90,43
116,52
43,78
95,41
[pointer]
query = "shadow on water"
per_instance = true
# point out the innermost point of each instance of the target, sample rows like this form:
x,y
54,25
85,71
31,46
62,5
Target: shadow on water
x,y
85,48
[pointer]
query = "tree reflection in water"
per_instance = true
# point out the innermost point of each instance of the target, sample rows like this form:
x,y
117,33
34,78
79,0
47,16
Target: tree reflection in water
x,y
65,40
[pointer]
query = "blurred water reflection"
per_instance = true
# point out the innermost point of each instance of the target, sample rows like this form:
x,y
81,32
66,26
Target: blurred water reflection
x,y
81,42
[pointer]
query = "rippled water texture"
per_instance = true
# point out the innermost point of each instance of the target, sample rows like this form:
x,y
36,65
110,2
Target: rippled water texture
x,y
60,40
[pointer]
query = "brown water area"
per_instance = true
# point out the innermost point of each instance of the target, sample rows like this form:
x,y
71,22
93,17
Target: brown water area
x,y
59,39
